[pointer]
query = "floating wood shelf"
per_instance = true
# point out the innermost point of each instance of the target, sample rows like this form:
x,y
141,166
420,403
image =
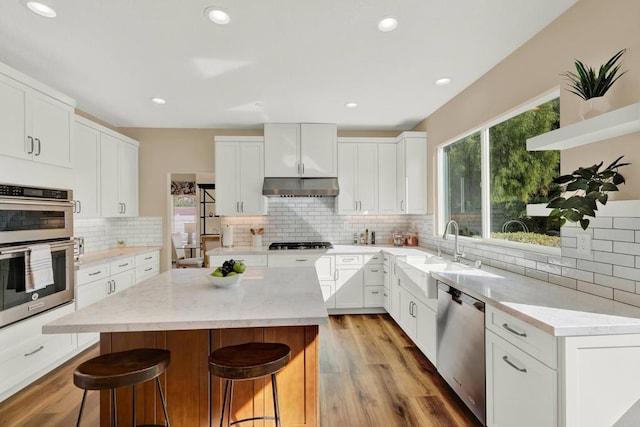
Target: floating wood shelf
x,y
623,121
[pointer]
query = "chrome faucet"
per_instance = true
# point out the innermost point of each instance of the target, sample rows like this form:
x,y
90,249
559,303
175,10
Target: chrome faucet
x,y
456,250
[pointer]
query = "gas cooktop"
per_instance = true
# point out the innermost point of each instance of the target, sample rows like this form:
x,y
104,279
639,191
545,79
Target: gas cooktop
x,y
299,245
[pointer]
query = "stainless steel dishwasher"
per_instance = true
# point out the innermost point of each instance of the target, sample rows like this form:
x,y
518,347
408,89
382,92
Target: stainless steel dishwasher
x,y
461,346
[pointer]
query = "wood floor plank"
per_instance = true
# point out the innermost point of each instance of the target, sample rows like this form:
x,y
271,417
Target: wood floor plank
x,y
371,375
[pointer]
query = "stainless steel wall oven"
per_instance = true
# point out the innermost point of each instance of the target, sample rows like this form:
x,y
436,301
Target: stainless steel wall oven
x,y
31,216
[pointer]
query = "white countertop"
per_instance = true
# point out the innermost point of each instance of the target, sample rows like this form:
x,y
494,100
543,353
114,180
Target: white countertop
x,y
112,254
554,309
182,299
337,249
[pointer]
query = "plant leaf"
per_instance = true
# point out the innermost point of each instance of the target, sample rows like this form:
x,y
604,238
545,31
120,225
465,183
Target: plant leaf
x,y
584,223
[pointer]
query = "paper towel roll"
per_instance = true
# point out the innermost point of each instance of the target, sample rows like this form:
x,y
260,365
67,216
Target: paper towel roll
x,y
227,236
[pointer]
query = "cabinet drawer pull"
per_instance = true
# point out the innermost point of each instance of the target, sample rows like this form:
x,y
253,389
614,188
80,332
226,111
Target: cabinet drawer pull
x,y
513,331
375,271
348,259
34,351
301,260
97,272
30,149
148,269
148,258
375,292
385,272
123,265
513,365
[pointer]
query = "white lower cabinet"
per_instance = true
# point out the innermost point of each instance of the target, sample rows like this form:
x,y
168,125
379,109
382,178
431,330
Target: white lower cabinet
x,y
250,260
349,281
418,321
521,391
27,353
147,265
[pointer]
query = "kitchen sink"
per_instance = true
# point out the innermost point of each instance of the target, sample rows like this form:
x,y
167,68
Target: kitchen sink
x,y
418,272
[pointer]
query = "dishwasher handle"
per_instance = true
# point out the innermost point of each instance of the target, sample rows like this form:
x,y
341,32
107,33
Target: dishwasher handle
x,y
460,297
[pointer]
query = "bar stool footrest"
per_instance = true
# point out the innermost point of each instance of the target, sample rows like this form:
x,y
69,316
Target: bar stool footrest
x,y
249,419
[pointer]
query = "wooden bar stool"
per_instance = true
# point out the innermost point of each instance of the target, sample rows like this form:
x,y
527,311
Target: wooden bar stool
x,y
247,362
122,369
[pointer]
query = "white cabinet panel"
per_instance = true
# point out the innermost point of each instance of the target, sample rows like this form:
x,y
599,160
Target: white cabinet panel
x,y
13,122
118,177
51,124
326,268
426,330
388,196
86,168
328,293
374,296
349,287
521,391
416,175
306,150
318,150
239,177
33,125
357,174
282,149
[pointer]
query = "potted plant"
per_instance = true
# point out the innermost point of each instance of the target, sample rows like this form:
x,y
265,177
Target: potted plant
x,y
589,186
592,86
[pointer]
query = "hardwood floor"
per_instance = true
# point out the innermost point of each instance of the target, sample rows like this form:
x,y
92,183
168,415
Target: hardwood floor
x,y
371,375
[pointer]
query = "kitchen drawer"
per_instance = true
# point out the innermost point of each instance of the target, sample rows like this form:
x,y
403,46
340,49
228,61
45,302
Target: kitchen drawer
x,y
386,259
122,264
251,260
33,357
526,337
373,275
147,258
91,274
24,329
373,259
348,259
386,276
145,271
374,296
291,260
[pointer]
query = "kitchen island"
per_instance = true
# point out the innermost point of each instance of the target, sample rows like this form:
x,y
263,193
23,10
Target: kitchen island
x,y
181,310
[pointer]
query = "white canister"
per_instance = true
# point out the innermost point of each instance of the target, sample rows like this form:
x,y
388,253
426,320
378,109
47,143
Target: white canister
x,y
227,236
256,240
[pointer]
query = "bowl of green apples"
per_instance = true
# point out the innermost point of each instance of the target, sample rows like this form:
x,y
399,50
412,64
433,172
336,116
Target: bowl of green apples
x,y
228,274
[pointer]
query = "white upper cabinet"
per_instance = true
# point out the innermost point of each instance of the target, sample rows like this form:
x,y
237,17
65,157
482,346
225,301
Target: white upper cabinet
x,y
307,150
33,125
118,176
388,195
86,168
412,146
239,166
357,177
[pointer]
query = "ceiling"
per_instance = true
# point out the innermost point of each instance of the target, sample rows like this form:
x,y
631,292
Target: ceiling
x,y
276,61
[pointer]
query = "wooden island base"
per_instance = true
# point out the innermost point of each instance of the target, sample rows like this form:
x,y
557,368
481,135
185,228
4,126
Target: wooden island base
x,y
193,396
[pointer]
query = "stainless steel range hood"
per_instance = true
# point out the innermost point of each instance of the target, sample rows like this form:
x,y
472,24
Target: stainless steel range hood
x,y
300,187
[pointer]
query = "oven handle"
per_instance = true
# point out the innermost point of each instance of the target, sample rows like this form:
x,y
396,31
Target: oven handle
x,y
38,202
22,249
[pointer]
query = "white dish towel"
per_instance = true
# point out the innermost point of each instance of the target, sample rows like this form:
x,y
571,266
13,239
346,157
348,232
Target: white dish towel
x,y
38,269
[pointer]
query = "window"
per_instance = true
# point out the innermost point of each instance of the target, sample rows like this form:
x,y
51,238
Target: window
x,y
496,156
462,189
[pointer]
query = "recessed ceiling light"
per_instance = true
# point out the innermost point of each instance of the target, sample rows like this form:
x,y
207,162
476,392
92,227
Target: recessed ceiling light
x,y
387,23
351,104
443,81
159,101
217,15
41,9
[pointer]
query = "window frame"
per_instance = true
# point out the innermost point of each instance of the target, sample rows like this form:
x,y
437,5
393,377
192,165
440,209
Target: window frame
x,y
485,168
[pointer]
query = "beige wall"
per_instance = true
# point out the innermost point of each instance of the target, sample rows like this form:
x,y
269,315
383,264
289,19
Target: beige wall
x,y
592,31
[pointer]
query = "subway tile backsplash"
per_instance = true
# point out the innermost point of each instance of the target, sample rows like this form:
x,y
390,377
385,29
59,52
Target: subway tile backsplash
x,y
612,270
103,233
314,219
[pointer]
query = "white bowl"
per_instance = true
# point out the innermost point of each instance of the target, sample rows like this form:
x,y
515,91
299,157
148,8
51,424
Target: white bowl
x,y
225,282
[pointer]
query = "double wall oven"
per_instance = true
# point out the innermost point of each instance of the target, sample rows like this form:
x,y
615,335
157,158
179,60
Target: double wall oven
x,y
31,216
